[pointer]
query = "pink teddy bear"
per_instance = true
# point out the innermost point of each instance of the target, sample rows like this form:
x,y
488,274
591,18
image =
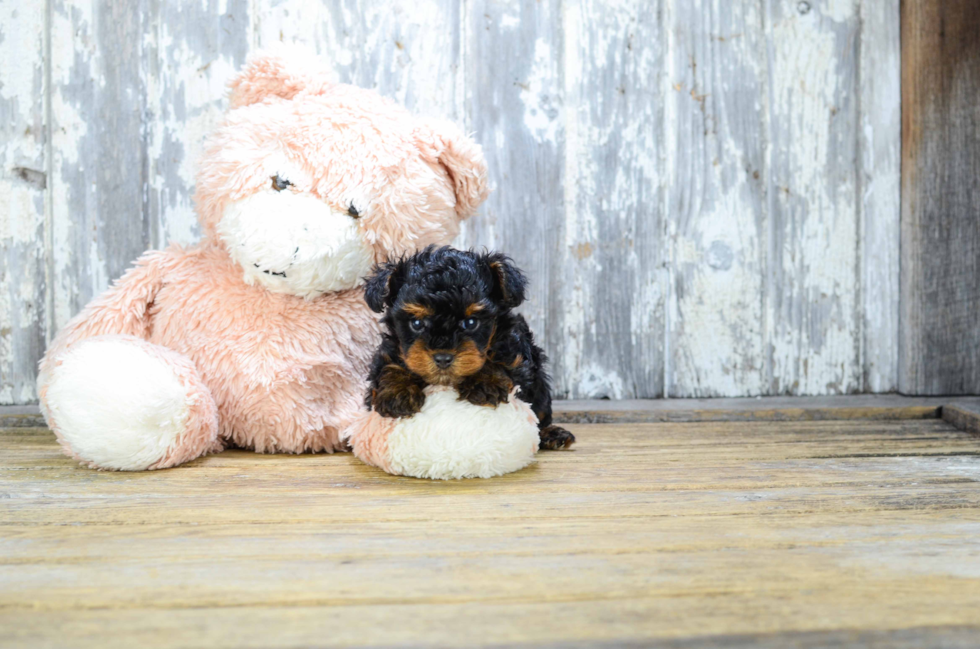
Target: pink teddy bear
x,y
258,337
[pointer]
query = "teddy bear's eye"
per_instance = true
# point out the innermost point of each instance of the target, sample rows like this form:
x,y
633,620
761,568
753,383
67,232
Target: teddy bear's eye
x,y
279,183
352,211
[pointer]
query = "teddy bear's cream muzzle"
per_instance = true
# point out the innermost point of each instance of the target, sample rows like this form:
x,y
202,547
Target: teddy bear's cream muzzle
x,y
294,243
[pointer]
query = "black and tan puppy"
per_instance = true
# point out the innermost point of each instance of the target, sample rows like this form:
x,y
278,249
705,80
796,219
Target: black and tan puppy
x,y
449,320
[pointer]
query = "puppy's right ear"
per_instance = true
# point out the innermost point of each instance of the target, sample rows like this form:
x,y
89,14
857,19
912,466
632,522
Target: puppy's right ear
x,y
383,284
509,283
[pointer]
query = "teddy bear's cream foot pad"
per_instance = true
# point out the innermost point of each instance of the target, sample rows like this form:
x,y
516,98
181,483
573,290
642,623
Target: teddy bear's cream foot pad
x,y
448,439
122,403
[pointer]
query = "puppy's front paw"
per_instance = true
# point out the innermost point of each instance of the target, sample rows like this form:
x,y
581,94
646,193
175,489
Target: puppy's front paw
x,y
404,401
554,438
485,388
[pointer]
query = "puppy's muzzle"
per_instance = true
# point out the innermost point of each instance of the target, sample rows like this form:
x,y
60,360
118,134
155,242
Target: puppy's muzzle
x,y
443,360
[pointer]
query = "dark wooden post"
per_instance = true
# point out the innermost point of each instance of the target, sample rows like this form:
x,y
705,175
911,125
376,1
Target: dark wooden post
x,y
940,261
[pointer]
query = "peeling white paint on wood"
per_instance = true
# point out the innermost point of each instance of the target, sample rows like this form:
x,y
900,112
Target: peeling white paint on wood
x,y
717,138
703,193
880,191
406,49
188,54
610,311
96,136
813,278
23,183
513,104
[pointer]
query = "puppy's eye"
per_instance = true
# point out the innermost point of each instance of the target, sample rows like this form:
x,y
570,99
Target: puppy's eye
x,y
469,324
279,183
352,211
417,325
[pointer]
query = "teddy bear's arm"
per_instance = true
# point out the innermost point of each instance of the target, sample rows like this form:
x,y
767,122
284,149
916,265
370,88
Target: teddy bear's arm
x,y
122,309
114,399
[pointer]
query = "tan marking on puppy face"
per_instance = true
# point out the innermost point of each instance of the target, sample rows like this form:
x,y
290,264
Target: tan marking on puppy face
x,y
475,308
417,310
517,361
418,359
468,360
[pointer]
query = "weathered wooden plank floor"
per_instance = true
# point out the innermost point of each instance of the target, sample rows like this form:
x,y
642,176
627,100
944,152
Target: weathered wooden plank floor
x,y
839,533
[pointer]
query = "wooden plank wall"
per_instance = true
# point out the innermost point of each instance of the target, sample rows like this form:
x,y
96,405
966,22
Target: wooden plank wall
x,y
704,193
25,324
940,280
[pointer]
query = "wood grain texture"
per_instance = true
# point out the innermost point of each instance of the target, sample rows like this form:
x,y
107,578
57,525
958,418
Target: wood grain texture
x,y
188,53
98,162
940,269
514,106
812,280
589,411
24,323
783,252
610,309
408,50
311,626
736,534
879,187
849,407
965,415
702,193
717,199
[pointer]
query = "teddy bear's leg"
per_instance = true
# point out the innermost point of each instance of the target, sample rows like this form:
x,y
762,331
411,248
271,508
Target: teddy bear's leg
x,y
119,402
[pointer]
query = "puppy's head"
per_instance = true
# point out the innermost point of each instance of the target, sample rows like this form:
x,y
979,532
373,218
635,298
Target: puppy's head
x,y
442,306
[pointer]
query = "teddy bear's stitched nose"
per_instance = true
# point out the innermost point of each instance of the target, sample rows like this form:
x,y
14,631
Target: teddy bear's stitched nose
x,y
443,360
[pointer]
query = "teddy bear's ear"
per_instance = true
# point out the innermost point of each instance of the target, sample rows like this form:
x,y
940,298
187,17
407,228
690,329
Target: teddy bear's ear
x,y
444,143
281,72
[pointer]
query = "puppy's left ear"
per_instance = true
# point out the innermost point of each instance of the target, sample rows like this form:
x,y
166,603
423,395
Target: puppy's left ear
x,y
509,283
442,142
383,284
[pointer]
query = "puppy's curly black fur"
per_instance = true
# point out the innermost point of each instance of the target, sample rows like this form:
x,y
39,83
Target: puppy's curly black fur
x,y
449,320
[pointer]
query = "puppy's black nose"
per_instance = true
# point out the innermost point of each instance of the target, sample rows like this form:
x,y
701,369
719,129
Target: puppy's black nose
x,y
443,360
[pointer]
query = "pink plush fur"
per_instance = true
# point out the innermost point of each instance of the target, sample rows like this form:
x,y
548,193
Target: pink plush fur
x,y
368,437
424,174
271,371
